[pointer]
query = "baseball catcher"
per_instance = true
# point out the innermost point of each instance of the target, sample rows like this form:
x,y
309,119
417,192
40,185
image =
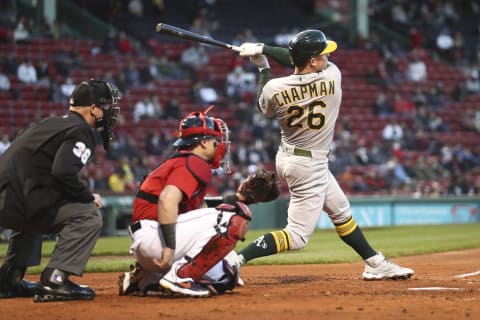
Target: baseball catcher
x,y
180,239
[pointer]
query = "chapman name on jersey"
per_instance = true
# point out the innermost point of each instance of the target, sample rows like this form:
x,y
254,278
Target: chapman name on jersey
x,y
305,91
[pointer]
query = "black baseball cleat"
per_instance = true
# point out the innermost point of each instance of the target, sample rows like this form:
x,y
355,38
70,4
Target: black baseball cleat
x,y
25,289
12,284
55,286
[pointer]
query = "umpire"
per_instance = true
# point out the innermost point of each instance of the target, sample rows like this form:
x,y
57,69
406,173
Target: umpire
x,y
40,193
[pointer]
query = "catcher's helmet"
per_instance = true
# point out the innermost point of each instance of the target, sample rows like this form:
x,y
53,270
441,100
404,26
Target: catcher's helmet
x,y
196,127
307,44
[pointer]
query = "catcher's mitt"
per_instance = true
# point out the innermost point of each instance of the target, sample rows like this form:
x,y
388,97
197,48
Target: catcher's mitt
x,y
260,186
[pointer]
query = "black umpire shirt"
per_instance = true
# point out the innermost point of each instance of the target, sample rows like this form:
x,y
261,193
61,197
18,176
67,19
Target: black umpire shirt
x,y
39,171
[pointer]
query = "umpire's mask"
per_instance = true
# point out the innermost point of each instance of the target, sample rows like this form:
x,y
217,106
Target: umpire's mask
x,y
105,96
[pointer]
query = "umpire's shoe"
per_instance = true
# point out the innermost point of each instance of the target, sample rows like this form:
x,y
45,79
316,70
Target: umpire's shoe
x,y
54,285
12,284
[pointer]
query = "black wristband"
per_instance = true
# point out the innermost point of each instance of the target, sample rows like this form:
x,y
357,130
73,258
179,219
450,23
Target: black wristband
x,y
168,231
230,198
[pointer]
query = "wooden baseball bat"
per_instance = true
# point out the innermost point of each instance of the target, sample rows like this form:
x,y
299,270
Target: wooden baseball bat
x,y
189,35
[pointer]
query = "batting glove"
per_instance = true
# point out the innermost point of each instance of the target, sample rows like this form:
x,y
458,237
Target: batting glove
x,y
261,61
249,49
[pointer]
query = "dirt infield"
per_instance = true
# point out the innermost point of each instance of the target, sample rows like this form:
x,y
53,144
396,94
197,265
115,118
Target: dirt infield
x,y
445,286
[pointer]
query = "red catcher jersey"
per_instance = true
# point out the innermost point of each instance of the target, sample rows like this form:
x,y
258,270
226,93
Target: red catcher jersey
x,y
188,172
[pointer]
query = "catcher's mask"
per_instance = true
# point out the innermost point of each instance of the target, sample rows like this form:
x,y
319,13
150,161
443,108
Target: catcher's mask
x,y
307,44
105,96
197,126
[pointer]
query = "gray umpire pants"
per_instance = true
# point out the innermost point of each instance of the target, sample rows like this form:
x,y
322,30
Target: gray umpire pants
x,y
80,226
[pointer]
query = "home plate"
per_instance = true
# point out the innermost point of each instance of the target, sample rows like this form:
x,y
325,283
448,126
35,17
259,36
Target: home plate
x,y
432,289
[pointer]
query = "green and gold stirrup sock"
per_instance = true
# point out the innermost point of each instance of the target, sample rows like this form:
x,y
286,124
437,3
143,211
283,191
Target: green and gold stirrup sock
x,y
352,235
268,244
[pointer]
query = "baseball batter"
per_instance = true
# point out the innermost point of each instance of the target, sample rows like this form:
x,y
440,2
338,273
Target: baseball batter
x,y
306,105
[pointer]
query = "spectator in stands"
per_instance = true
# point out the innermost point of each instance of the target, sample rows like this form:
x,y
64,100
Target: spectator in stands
x,y
120,181
473,82
436,123
396,174
398,152
4,81
204,92
392,131
445,44
121,82
458,186
243,113
62,61
147,108
389,73
140,169
382,107
361,152
155,143
67,87
135,7
436,96
402,106
21,31
172,110
169,70
194,58
4,143
26,72
379,152
239,82
55,93
283,37
205,22
415,38
43,71
421,118
124,45
416,68
151,71
460,92
10,63
245,35
132,74
99,181
109,44
419,98
474,187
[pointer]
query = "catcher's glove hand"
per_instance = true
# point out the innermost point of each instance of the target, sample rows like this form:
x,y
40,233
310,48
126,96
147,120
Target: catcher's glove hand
x,y
260,186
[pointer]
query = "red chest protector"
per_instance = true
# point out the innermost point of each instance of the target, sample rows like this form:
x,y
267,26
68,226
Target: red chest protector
x,y
145,205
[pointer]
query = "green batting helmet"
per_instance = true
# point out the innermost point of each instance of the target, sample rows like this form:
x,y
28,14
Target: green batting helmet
x,y
307,44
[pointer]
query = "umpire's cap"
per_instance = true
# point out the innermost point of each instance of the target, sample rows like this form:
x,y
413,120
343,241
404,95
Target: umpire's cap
x,y
96,92
307,44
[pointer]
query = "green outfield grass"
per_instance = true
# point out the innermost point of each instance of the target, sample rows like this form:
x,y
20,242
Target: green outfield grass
x,y
111,253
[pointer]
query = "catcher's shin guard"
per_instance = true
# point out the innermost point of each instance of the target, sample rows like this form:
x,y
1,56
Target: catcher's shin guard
x,y
220,244
225,283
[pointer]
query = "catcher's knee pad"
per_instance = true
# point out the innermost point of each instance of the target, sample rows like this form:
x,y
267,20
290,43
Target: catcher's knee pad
x,y
346,228
220,244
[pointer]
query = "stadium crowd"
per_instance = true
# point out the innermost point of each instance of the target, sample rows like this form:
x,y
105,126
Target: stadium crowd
x,y
408,156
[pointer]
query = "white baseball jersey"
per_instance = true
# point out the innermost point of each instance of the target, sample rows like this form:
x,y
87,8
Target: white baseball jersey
x,y
307,107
